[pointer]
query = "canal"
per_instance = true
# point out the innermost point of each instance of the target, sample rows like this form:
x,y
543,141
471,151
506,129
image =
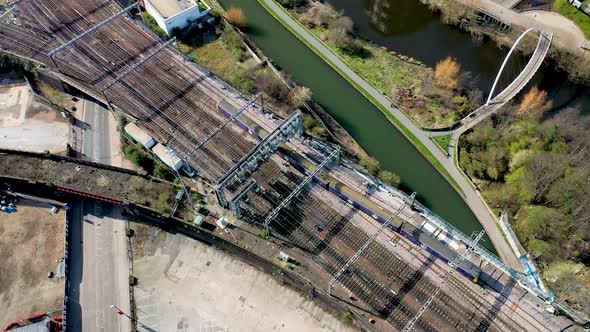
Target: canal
x,y
357,115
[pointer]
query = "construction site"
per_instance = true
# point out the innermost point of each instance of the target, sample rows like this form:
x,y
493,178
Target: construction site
x,y
378,265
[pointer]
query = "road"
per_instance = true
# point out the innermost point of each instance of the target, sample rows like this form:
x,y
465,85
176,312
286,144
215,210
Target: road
x,y
96,138
100,268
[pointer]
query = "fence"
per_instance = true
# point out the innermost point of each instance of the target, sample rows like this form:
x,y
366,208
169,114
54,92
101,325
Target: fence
x,y
67,269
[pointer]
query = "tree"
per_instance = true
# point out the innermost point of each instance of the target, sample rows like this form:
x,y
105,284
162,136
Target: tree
x,y
446,73
319,15
160,171
534,103
371,165
543,170
300,96
340,29
389,178
268,82
235,16
541,223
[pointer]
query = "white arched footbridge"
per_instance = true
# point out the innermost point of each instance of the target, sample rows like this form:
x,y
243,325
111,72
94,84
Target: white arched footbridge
x,y
496,102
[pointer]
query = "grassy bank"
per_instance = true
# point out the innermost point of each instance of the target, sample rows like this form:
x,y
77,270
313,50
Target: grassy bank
x,y
580,18
443,142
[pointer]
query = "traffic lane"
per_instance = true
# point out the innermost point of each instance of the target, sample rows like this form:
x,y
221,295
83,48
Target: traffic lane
x,y
75,268
105,279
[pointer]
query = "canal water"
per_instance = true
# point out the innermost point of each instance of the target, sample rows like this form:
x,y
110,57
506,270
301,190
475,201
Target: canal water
x,y
357,115
411,28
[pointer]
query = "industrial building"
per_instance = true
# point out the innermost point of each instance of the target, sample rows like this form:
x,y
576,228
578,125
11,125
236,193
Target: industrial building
x,y
168,156
140,135
176,14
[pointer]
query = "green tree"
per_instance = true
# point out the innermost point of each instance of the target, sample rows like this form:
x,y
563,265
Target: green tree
x,y
542,223
389,178
160,171
370,164
300,96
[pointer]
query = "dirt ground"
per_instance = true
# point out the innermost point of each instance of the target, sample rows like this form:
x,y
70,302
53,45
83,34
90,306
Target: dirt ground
x,y
185,285
26,124
31,243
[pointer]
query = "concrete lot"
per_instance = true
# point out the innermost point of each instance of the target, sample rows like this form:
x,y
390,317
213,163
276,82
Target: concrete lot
x,y
26,124
31,242
185,285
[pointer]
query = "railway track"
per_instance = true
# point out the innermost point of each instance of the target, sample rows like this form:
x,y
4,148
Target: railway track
x,y
175,101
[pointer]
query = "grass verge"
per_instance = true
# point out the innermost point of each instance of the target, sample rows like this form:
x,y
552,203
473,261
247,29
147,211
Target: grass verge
x,y
443,142
405,131
579,17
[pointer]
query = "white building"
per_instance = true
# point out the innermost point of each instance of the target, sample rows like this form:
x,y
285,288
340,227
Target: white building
x,y
171,14
168,156
139,135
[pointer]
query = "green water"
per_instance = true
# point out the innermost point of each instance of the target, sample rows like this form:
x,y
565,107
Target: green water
x,y
357,115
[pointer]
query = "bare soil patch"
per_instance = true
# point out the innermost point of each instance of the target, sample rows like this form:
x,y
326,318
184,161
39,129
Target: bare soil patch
x,y
31,243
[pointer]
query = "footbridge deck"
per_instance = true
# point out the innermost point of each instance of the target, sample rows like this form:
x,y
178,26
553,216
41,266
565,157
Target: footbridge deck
x,y
495,103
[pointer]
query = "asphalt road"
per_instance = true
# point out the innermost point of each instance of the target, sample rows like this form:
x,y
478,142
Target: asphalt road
x,y
96,143
99,268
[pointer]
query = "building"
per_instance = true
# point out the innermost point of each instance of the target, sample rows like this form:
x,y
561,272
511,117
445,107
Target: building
x,y
139,135
168,157
176,14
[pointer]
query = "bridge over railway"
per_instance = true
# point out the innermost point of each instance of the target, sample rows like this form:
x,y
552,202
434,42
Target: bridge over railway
x,y
177,102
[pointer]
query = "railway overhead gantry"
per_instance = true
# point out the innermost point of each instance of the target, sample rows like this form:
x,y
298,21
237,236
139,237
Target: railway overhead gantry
x,y
262,152
273,214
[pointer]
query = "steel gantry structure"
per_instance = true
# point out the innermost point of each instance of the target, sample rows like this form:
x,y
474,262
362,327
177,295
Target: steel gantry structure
x,y
273,214
141,62
91,30
262,152
358,253
454,264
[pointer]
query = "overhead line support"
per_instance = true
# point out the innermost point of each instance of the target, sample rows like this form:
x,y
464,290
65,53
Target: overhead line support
x,y
275,212
248,163
94,28
454,264
135,66
359,252
6,13
232,118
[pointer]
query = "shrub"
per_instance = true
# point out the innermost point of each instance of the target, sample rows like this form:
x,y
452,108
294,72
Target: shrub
x,y
340,30
371,165
264,234
446,73
346,319
235,16
151,23
300,96
534,103
319,15
389,178
160,171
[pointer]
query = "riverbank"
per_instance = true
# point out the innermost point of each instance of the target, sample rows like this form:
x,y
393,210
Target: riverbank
x,y
413,87
569,47
403,123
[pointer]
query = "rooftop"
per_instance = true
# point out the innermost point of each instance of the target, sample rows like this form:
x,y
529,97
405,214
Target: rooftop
x,y
169,8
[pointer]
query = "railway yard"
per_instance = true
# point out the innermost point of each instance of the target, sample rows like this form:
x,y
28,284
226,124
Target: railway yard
x,y
124,65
